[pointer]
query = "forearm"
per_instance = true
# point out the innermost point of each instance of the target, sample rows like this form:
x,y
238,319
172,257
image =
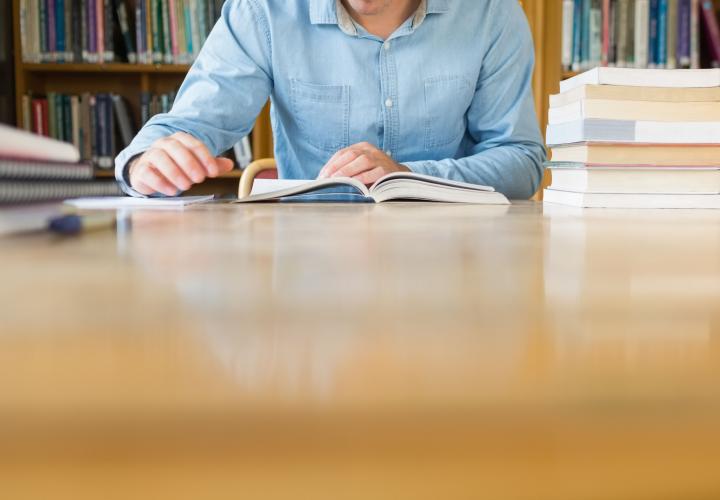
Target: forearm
x,y
515,170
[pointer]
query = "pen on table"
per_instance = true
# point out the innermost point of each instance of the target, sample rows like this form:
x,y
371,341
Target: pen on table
x,y
75,224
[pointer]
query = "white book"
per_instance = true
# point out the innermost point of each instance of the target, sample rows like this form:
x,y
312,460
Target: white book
x,y
642,35
15,143
113,202
567,35
634,77
580,177
612,200
609,109
397,186
644,132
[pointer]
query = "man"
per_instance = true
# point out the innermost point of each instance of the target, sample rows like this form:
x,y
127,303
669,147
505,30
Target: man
x,y
359,88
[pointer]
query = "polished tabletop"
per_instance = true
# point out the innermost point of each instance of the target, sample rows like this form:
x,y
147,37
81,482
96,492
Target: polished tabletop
x,y
364,351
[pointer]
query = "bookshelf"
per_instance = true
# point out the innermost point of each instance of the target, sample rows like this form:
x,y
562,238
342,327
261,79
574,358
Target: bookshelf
x,y
126,79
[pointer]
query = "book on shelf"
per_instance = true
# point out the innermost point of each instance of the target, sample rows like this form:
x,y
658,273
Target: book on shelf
x,y
38,169
96,125
634,33
392,187
102,31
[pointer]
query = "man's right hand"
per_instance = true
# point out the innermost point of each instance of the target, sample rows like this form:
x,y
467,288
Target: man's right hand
x,y
173,164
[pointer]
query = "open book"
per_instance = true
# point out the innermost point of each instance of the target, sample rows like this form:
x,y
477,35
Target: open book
x,y
397,186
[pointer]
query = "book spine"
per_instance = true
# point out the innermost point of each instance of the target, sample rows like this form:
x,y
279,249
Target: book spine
x,y
585,53
210,8
93,130
188,30
75,120
100,29
59,30
180,17
109,38
202,23
51,115
27,113
60,117
630,37
605,38
167,36
138,31
45,117
694,34
173,30
76,53
614,33
43,30
155,32
641,33
37,117
621,50
122,19
144,107
85,127
110,126
683,34
661,51
51,30
85,30
148,31
67,119
596,36
92,31
653,34
69,30
567,34
577,35
712,32
672,32
24,45
194,28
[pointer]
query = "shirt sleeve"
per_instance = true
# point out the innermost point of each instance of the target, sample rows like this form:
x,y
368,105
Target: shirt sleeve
x,y
505,149
222,94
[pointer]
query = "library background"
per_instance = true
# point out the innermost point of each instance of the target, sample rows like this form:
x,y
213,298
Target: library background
x,y
91,72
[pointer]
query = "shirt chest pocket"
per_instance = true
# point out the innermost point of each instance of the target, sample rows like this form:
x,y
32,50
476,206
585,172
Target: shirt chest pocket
x,y
322,113
447,99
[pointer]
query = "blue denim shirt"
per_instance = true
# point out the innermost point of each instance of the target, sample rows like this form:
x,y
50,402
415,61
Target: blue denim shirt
x,y
448,94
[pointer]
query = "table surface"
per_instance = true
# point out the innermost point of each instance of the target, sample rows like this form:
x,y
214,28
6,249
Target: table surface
x,y
364,351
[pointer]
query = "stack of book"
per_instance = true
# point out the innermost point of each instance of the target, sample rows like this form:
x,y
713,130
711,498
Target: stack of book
x,y
100,31
38,169
98,125
638,33
633,138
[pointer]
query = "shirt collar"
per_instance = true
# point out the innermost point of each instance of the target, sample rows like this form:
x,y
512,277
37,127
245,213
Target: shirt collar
x,y
333,12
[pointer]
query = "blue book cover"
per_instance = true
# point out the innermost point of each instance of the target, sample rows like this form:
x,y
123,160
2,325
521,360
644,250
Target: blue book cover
x,y
683,41
60,28
653,34
662,30
577,35
585,52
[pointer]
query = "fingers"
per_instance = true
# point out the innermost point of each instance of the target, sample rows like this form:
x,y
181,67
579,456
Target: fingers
x,y
371,176
208,162
151,178
225,164
183,157
362,163
343,157
169,168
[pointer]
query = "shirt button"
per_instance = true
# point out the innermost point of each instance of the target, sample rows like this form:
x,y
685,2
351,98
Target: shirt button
x,y
388,152
387,45
389,103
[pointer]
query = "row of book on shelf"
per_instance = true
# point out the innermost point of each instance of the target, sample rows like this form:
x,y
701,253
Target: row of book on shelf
x,y
99,31
639,33
98,125
636,138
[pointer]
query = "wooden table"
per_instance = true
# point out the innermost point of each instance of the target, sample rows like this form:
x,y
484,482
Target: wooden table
x,y
362,351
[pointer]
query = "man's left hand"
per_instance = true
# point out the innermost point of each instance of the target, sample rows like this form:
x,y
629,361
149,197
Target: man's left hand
x,y
363,162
